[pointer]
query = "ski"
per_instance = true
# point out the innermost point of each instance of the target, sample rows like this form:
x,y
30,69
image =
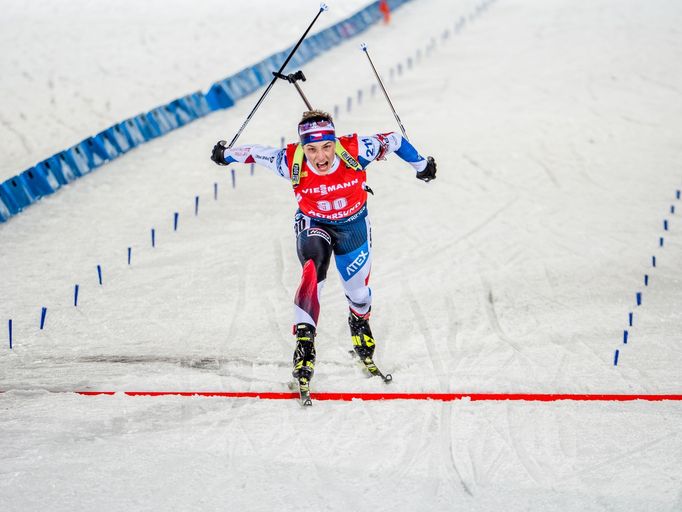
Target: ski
x,y
371,367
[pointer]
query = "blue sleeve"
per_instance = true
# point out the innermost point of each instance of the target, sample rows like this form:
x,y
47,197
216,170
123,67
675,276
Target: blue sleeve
x,y
376,147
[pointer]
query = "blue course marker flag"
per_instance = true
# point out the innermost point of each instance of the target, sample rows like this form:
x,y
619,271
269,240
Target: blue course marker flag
x,y
99,274
176,216
10,334
215,191
130,254
153,237
75,295
43,313
234,179
196,205
615,358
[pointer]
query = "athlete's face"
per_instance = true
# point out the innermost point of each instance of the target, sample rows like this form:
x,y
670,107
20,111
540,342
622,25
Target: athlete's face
x,y
320,155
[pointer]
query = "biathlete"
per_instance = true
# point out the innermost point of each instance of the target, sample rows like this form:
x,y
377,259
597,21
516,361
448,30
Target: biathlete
x,y
329,182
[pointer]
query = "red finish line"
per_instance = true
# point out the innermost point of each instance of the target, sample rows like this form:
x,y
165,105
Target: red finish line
x,y
444,397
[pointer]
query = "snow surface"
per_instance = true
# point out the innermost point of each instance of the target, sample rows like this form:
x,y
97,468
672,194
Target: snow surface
x,y
555,126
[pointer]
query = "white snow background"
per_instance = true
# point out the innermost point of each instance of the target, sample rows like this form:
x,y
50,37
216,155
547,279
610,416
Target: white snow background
x,y
556,127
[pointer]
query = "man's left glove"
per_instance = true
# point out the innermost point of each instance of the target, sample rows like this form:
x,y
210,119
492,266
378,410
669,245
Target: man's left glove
x,y
218,155
429,173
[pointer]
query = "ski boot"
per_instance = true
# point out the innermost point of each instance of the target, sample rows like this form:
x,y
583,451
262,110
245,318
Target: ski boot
x,y
363,344
361,334
304,361
304,355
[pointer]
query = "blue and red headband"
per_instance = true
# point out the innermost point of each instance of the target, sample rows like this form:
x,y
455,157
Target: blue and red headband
x,y
316,131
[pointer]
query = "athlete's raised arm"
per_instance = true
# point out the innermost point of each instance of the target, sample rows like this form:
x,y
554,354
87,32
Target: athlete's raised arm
x,y
376,147
272,158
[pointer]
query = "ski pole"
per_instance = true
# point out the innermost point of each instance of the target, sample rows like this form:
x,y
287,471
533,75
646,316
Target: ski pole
x,y
293,78
363,47
323,7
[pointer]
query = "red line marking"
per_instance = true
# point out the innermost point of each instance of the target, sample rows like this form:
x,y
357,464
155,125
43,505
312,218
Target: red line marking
x,y
445,397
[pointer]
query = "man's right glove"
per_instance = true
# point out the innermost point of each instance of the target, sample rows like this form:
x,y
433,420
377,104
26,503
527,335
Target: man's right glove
x,y
218,155
429,173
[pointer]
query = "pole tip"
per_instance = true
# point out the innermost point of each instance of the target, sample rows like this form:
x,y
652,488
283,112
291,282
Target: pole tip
x,y
324,7
363,47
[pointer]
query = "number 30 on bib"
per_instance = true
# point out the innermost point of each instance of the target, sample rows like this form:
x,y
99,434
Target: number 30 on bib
x,y
338,204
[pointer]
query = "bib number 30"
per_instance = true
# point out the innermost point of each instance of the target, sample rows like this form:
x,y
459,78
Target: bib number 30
x,y
338,204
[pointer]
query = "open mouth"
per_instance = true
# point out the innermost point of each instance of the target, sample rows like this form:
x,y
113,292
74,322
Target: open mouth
x,y
322,166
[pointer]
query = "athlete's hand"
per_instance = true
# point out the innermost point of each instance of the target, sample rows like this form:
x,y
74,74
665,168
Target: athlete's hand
x,y
218,155
429,173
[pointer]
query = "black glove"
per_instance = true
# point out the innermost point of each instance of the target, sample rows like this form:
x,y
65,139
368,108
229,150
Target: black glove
x,y
218,155
429,173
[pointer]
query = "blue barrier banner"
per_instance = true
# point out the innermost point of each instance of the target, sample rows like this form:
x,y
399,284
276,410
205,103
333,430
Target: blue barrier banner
x,y
199,104
68,171
50,169
148,130
264,70
306,51
15,194
95,152
132,132
218,97
118,138
260,77
170,118
182,111
233,88
295,62
37,183
109,143
76,160
275,61
335,35
317,43
7,198
165,119
157,123
279,58
5,214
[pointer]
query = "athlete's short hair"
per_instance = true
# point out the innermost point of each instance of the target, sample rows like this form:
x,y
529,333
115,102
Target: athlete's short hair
x,y
315,115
